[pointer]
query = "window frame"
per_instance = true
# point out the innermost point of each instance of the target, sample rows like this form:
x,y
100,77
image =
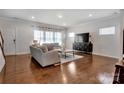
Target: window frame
x,y
54,39
106,28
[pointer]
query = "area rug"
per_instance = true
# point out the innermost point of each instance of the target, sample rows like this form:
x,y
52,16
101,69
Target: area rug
x,y
70,58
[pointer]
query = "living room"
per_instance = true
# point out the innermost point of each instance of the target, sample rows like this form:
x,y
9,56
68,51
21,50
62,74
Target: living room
x,y
22,29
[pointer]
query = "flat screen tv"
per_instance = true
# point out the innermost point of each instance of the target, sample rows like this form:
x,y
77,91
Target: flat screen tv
x,y
82,37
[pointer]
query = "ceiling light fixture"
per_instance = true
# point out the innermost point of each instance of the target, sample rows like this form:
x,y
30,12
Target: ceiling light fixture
x,y
90,15
32,17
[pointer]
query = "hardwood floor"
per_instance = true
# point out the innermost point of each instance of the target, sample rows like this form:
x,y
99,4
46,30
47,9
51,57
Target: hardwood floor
x,y
2,75
91,69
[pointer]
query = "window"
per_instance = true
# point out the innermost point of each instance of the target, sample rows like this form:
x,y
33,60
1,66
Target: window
x,y
71,35
58,38
48,37
37,35
107,31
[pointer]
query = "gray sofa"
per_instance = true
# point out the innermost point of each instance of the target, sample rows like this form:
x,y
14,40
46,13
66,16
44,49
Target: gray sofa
x,y
44,59
52,46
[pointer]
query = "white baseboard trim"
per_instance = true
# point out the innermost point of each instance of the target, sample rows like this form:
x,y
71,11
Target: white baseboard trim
x,y
21,53
106,55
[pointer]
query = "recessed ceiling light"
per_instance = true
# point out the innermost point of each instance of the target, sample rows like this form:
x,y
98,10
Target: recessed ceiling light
x,y
60,16
90,15
32,17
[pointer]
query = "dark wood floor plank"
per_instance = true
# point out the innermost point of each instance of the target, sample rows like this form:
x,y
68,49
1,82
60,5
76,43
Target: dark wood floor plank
x,y
91,69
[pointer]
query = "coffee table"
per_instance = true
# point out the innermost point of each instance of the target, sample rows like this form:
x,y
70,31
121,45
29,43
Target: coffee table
x,y
65,51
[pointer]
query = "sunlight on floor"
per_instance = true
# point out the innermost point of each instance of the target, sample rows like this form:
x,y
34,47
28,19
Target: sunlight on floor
x,y
72,68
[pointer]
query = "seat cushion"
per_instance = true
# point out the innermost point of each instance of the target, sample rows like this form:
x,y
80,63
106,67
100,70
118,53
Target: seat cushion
x,y
44,48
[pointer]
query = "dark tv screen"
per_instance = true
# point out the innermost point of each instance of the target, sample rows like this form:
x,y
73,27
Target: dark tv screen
x,y
82,37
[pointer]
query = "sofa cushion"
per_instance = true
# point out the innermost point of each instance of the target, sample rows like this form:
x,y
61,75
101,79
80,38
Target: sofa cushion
x,y
51,46
44,48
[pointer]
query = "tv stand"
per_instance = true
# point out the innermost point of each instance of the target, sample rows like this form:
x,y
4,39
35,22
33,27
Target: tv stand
x,y
84,47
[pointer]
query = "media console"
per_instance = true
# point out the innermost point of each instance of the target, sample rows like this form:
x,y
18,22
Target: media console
x,y
86,47
82,43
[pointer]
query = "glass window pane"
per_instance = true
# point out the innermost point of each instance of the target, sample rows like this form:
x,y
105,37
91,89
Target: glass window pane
x,y
41,37
58,37
37,35
49,37
107,31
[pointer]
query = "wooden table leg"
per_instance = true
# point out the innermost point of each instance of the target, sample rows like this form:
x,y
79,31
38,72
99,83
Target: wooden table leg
x,y
73,53
65,55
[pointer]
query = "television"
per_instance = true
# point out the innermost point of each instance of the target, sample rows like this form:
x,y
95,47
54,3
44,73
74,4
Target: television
x,y
82,37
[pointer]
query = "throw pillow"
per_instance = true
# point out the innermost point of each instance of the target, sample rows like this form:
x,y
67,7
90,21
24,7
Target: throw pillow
x,y
50,46
44,48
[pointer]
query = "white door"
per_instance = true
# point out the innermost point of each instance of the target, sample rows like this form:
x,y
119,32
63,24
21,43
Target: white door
x,y
9,32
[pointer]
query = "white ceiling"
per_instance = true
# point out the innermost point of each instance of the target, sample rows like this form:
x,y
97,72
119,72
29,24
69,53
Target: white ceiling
x,y
70,16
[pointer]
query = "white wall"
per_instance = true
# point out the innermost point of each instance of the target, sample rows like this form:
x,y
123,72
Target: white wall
x,y
24,34
102,45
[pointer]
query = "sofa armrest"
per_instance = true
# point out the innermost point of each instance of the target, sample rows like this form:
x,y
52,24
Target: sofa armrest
x,y
51,57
